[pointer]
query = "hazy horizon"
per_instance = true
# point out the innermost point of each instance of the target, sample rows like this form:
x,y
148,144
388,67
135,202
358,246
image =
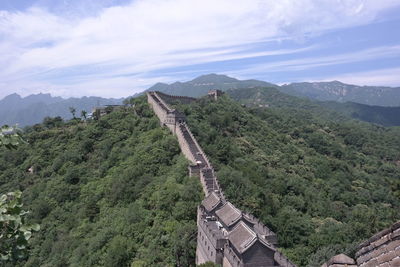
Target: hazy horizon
x,y
183,81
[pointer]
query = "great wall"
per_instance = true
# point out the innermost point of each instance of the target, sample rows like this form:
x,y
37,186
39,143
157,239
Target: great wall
x,y
234,238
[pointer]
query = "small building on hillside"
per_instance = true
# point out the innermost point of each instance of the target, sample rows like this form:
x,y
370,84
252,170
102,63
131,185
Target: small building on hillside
x,y
173,119
100,111
215,94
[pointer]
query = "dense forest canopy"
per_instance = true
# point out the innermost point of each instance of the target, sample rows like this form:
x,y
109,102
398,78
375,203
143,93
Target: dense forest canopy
x,y
113,192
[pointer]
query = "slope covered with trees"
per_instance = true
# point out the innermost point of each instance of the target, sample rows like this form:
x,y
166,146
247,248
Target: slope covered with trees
x,y
322,185
324,110
341,92
113,192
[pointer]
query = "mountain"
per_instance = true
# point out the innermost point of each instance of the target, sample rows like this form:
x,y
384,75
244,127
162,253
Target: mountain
x,y
32,109
202,84
341,92
321,91
325,110
315,97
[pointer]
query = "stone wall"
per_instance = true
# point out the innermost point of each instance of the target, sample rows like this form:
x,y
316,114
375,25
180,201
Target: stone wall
x,y
259,227
158,107
174,98
382,249
184,145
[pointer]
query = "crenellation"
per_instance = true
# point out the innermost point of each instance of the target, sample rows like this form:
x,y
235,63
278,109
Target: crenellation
x,y
382,249
172,98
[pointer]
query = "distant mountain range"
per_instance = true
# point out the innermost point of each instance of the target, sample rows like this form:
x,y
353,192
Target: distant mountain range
x,y
322,91
341,92
201,85
383,107
32,109
269,97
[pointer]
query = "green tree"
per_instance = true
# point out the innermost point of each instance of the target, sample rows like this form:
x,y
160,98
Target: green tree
x,y
10,137
73,112
84,114
15,232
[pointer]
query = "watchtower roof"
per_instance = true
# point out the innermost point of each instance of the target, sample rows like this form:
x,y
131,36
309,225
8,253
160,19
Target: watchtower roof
x,y
228,214
242,238
211,202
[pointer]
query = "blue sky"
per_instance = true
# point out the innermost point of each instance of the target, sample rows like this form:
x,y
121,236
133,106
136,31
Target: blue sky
x,y
115,48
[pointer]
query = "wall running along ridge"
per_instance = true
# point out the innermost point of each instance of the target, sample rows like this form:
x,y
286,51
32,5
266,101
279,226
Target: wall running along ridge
x,y
233,238
214,243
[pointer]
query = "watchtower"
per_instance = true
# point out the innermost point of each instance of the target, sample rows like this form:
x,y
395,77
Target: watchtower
x,y
174,118
215,94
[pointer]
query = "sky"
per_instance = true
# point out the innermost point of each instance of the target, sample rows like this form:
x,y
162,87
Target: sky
x,y
116,48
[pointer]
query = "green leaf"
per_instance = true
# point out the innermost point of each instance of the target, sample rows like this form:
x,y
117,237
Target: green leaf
x,y
27,235
35,227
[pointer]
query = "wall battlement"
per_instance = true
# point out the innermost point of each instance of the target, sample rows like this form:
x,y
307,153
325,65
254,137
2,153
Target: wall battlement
x,y
173,98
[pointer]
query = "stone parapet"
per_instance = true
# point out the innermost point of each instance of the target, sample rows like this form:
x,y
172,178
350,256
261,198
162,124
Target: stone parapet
x,y
382,249
171,98
282,260
230,256
261,229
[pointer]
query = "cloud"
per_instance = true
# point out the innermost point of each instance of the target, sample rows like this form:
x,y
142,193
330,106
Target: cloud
x,y
40,49
321,61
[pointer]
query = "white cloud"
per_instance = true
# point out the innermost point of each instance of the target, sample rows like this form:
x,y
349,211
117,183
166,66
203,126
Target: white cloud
x,y
320,61
148,35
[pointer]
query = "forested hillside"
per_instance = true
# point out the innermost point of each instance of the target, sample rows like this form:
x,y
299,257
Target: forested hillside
x,y
341,92
325,110
323,186
113,192
386,116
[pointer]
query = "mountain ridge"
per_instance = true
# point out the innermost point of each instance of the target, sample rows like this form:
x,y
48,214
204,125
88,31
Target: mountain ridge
x,y
342,92
321,91
32,109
